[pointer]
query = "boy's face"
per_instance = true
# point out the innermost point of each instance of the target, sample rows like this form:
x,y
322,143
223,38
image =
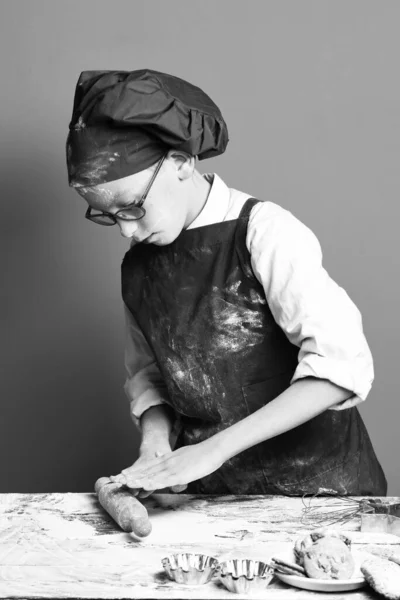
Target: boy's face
x,y
166,206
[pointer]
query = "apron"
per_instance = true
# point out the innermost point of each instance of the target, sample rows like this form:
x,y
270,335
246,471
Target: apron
x,y
222,356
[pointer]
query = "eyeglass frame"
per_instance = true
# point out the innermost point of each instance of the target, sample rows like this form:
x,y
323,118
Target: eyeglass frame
x,y
113,216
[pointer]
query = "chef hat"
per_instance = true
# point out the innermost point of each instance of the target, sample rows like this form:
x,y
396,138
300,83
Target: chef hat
x,y
124,121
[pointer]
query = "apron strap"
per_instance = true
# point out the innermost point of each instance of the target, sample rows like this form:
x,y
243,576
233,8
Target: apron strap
x,y
247,208
240,238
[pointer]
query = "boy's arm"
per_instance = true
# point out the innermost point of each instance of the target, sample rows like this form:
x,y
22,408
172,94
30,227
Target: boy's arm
x,y
145,386
303,400
297,404
315,313
157,426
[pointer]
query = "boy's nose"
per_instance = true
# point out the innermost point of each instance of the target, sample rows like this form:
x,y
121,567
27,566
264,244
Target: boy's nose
x,y
128,228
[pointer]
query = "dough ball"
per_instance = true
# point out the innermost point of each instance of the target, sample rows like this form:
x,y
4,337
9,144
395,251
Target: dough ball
x,y
329,558
306,542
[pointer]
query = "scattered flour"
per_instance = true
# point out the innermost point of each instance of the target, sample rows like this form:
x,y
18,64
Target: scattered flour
x,y
63,529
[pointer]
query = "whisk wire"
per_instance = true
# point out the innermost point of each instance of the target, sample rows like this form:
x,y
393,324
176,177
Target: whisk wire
x,y
342,510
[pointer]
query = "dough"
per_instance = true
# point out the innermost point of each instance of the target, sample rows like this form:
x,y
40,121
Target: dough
x,y
329,558
325,554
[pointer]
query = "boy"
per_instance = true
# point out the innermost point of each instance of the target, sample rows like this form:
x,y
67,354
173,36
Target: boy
x,y
237,338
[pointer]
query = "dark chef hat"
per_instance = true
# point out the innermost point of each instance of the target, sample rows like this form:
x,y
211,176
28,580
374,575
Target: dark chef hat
x,y
124,121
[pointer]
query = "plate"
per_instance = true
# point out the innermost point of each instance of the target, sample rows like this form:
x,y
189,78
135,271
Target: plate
x,y
325,585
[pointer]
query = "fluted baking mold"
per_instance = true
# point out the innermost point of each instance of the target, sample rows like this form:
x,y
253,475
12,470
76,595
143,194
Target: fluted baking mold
x,y
244,575
190,569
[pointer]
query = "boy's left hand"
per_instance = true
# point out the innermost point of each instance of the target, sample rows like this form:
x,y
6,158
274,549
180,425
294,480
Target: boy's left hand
x,y
179,467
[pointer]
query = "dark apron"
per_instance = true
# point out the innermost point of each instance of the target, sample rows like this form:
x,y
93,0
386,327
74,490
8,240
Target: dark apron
x,y
222,355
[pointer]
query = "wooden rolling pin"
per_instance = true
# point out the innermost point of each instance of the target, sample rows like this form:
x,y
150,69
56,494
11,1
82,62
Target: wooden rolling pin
x,y
123,507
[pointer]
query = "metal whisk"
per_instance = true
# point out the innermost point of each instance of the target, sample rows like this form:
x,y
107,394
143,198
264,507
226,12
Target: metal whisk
x,y
342,510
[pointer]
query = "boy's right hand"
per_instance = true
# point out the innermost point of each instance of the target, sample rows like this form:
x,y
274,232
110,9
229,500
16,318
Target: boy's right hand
x,y
145,455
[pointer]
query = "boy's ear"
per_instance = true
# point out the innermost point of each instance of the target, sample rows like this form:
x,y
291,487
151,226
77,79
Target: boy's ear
x,y
185,163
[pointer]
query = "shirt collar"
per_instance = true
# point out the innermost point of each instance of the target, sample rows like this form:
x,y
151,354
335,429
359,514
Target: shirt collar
x,y
216,207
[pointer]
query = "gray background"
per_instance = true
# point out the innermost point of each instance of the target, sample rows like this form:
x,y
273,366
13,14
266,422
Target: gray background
x,y
310,91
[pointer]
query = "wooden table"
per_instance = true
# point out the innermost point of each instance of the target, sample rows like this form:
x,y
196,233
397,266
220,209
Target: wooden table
x,y
66,546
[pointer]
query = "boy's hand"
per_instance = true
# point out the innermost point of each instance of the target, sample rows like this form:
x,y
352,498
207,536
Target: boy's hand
x,y
173,469
146,457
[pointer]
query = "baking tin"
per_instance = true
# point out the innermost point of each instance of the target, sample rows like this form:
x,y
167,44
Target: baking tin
x,y
241,576
190,569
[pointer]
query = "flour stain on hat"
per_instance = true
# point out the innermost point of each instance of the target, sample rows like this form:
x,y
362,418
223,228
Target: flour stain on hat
x,y
80,124
94,170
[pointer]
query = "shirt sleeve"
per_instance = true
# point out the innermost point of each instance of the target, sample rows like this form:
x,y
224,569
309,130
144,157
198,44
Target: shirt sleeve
x,y
144,385
315,313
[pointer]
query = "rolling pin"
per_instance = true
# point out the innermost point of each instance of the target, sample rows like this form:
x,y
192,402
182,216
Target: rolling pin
x,y
123,507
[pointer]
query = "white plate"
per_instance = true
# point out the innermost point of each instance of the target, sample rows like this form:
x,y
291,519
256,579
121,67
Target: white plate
x,y
324,585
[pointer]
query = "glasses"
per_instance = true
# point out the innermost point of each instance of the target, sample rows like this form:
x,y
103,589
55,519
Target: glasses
x,y
132,212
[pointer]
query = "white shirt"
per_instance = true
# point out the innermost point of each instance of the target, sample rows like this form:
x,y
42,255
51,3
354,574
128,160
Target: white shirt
x,y
315,313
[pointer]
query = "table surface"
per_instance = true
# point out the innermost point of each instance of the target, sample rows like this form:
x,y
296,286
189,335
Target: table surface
x,y
66,546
